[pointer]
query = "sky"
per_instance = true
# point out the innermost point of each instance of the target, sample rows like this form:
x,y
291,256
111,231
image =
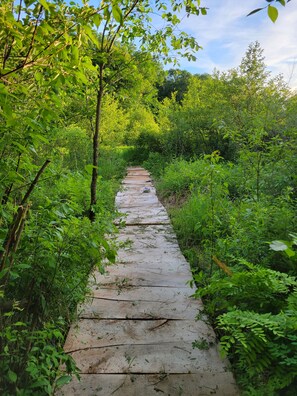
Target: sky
x,y
225,33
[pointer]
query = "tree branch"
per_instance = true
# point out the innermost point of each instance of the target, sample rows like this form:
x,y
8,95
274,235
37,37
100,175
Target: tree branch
x,y
33,35
34,182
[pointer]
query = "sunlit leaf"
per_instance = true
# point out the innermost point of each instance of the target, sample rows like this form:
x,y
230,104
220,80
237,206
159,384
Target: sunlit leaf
x,y
117,14
278,246
272,13
44,3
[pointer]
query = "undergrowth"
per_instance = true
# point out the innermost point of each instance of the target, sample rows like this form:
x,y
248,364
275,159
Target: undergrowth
x,y
47,276
226,226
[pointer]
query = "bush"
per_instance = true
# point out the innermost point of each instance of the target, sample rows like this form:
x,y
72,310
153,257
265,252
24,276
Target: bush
x,y
47,276
155,164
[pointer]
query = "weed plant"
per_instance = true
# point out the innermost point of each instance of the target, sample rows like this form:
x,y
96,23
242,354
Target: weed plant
x,y
230,215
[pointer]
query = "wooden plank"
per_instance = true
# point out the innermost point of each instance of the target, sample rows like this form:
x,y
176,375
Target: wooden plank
x,y
134,182
135,218
143,236
168,259
122,309
200,384
138,199
150,294
124,301
132,275
168,357
100,333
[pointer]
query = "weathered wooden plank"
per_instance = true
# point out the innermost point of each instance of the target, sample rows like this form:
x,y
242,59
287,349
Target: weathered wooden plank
x,y
151,294
159,259
131,275
118,309
134,182
136,218
156,236
119,301
137,199
100,333
168,357
200,384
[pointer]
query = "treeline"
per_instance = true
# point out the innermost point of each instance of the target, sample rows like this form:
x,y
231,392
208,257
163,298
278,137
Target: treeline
x,y
225,164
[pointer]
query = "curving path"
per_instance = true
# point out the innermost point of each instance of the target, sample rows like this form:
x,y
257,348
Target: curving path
x,y
135,336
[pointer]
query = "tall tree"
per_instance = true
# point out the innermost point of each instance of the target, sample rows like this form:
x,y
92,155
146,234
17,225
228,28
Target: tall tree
x,y
127,21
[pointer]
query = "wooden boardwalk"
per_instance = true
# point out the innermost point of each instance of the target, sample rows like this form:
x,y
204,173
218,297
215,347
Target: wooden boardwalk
x,y
135,337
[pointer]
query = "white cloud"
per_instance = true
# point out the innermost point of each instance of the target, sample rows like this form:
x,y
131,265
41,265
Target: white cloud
x,y
226,32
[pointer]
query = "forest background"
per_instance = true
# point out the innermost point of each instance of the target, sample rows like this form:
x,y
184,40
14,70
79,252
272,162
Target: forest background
x,y
79,100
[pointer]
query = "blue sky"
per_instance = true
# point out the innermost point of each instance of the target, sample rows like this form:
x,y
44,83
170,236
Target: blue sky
x,y
225,33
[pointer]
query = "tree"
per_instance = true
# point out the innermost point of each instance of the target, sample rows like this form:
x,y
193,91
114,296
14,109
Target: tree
x,y
175,81
125,22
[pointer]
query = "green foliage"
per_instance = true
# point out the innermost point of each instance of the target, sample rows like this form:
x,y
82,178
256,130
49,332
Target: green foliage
x,y
54,72
285,246
114,122
31,361
175,81
73,147
143,131
249,288
266,344
156,164
112,165
255,309
48,276
189,175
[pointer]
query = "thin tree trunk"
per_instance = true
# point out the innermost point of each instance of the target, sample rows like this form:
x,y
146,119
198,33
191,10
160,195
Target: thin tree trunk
x,y
13,236
96,136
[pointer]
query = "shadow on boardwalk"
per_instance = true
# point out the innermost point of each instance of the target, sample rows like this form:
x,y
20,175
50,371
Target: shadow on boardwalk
x,y
135,337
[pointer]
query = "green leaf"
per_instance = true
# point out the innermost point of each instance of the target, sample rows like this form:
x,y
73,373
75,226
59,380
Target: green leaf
x,y
3,272
117,14
282,246
92,35
23,266
20,147
75,53
89,168
29,2
283,2
97,20
65,379
294,238
272,13
12,376
289,252
44,4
